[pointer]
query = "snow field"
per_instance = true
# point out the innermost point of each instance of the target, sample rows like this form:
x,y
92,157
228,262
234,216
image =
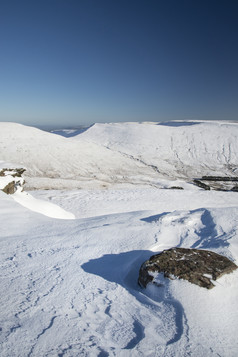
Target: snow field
x,y
70,286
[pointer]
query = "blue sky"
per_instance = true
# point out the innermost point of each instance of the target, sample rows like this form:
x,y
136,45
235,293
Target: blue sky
x,y
82,61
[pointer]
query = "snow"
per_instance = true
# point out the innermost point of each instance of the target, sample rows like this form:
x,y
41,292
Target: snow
x,y
122,154
5,180
175,149
4,165
66,162
46,208
70,258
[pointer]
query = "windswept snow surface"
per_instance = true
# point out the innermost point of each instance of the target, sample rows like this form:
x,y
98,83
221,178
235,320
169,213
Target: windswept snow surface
x,y
122,153
69,287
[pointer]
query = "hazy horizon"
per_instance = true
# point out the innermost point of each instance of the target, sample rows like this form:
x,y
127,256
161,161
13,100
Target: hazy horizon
x,y
65,125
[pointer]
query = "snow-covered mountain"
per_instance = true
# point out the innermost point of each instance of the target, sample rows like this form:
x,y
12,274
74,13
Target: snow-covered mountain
x,y
134,153
54,161
176,149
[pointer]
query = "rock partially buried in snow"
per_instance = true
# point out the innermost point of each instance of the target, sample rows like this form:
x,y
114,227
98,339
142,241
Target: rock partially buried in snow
x,y
11,180
16,172
9,188
199,267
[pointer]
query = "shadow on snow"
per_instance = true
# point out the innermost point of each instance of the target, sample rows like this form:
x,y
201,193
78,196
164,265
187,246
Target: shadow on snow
x,y
123,269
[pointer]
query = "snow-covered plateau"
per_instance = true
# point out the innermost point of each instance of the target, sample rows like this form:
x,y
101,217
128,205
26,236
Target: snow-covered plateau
x,y
70,255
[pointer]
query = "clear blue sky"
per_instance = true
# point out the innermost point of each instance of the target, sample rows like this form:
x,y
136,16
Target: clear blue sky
x,y
85,61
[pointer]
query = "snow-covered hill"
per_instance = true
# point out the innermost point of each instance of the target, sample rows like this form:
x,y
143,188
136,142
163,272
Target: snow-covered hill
x,y
54,161
70,259
131,153
185,149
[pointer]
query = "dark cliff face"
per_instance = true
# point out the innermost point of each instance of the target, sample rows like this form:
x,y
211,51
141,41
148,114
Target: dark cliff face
x,y
199,267
13,180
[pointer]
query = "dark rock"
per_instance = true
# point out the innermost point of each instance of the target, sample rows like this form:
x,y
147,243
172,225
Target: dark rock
x,y
201,184
10,188
19,172
15,180
219,178
13,172
218,183
199,267
176,188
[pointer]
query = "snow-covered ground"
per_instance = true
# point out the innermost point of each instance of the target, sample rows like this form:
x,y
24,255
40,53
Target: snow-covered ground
x,y
69,285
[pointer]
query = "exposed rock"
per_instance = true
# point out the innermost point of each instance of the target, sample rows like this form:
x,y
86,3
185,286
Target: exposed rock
x,y
218,183
199,267
176,188
10,188
201,184
11,180
219,178
18,172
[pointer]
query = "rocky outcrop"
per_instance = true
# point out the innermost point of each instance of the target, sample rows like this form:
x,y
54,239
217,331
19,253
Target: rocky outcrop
x,y
176,188
200,267
10,188
11,180
201,184
218,183
219,178
18,172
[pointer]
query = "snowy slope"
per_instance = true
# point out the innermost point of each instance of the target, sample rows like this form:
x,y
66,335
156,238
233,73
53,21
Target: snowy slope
x,y
185,149
131,153
69,287
55,161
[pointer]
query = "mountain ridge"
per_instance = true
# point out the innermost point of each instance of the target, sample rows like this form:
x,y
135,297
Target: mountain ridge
x,y
122,153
